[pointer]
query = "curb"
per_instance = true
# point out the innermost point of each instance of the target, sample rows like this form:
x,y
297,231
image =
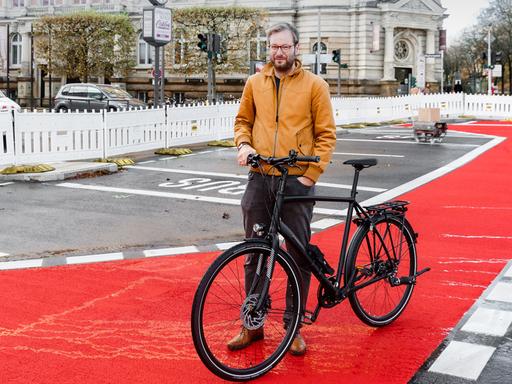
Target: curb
x,y
64,170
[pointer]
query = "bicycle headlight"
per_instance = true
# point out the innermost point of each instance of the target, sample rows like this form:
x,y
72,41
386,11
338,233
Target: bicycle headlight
x,y
258,229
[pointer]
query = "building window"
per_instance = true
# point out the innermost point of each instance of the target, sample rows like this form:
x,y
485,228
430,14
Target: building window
x,y
258,47
47,2
79,1
18,3
402,50
180,47
146,52
16,50
323,50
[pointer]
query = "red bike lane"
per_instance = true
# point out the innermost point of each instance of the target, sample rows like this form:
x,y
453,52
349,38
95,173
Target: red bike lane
x,y
129,321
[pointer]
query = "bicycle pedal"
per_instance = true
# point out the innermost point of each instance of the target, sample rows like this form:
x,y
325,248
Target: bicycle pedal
x,y
307,318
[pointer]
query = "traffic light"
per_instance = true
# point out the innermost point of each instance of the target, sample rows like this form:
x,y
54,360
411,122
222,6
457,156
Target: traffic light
x,y
203,42
336,55
498,57
216,44
484,56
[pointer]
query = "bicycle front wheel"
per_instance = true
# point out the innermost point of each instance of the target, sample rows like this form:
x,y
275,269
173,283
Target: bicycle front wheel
x,y
222,308
377,258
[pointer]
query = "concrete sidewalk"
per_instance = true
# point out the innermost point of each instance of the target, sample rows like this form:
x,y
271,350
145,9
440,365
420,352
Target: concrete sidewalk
x,y
64,170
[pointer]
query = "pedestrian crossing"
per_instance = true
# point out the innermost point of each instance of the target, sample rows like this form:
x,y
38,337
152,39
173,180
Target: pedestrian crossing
x,y
478,348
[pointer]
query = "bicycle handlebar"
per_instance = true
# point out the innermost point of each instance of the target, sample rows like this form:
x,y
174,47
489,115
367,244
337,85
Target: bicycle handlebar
x,y
291,159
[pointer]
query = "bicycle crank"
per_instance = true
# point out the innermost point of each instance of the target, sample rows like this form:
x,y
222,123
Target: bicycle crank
x,y
409,279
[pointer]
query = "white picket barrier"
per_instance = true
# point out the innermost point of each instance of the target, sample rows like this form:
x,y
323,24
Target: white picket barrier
x,y
6,138
134,130
49,137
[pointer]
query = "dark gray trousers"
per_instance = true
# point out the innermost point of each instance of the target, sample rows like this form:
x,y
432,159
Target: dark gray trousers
x,y
257,205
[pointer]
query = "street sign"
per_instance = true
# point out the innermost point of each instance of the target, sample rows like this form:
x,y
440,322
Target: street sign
x,y
420,73
308,58
497,71
432,55
325,58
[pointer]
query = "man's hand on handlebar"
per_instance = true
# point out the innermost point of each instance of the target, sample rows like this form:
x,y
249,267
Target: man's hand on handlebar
x,y
243,153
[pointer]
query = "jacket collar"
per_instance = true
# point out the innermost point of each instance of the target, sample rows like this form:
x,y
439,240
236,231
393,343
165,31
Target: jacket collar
x,y
268,69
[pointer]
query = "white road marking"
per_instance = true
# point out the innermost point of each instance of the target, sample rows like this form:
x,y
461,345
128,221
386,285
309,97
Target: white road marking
x,y
409,142
168,158
476,236
365,154
401,189
224,246
145,192
325,223
463,360
94,258
465,123
489,321
147,162
170,251
244,177
481,124
6,183
501,292
19,264
3,254
473,207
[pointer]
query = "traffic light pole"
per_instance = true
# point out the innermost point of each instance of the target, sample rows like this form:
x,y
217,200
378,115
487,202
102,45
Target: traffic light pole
x,y
339,79
211,70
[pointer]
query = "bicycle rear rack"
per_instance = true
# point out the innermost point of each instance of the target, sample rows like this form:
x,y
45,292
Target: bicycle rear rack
x,y
398,206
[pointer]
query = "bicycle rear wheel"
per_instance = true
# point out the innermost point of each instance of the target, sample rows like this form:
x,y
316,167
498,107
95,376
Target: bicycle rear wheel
x,y
375,263
221,308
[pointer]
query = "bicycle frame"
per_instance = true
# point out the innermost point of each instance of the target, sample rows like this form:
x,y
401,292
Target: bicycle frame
x,y
339,290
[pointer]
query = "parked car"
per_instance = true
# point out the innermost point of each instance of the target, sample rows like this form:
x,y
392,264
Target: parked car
x,y
7,104
81,96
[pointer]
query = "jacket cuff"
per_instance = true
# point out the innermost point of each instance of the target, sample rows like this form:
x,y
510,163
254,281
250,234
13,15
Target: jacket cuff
x,y
313,173
243,139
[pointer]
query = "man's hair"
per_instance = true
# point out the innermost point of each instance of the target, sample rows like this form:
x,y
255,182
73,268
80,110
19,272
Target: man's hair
x,y
283,27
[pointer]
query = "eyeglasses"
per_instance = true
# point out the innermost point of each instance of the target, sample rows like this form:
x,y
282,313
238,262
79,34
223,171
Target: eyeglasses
x,y
284,48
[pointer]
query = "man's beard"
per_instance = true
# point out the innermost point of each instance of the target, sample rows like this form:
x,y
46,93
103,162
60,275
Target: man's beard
x,y
284,66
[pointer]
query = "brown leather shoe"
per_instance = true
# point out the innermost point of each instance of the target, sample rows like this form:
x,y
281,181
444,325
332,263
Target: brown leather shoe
x,y
298,347
245,338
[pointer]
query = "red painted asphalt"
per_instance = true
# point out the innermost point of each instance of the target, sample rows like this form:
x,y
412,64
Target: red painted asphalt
x,y
129,321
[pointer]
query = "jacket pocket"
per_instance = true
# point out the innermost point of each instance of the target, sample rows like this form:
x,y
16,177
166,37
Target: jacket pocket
x,y
305,141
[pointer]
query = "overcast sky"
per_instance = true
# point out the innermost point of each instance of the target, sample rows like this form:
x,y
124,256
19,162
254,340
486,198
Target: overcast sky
x,y
463,13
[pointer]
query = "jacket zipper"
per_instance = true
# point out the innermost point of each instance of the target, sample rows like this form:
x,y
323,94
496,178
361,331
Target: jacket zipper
x,y
278,101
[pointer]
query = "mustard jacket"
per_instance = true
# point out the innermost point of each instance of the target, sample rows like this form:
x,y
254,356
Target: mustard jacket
x,y
299,118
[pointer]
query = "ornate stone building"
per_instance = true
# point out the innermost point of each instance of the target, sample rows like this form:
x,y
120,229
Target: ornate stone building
x,y
382,42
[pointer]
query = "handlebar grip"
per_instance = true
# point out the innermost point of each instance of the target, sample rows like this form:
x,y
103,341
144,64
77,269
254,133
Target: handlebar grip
x,y
308,159
252,159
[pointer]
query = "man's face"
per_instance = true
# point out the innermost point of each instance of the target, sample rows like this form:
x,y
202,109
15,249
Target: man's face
x,y
282,50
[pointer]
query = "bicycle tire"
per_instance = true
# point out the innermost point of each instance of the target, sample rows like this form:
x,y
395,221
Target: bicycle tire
x,y
381,302
217,313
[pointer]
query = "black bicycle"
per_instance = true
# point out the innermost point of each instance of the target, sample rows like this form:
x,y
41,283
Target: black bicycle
x,y
377,274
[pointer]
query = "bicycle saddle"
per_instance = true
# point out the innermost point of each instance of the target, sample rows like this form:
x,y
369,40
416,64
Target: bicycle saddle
x,y
361,163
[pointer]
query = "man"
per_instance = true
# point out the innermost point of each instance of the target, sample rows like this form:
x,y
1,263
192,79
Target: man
x,y
283,107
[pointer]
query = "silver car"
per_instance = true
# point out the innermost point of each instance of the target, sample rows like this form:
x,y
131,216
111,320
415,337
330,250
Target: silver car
x,y
82,96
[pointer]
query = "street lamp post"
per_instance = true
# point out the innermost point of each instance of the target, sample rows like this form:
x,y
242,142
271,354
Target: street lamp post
x,y
489,63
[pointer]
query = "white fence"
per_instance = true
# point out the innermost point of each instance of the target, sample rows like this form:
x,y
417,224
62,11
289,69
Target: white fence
x,y
29,137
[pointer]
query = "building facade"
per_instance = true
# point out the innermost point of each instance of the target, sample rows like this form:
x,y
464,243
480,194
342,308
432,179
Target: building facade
x,y
383,43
